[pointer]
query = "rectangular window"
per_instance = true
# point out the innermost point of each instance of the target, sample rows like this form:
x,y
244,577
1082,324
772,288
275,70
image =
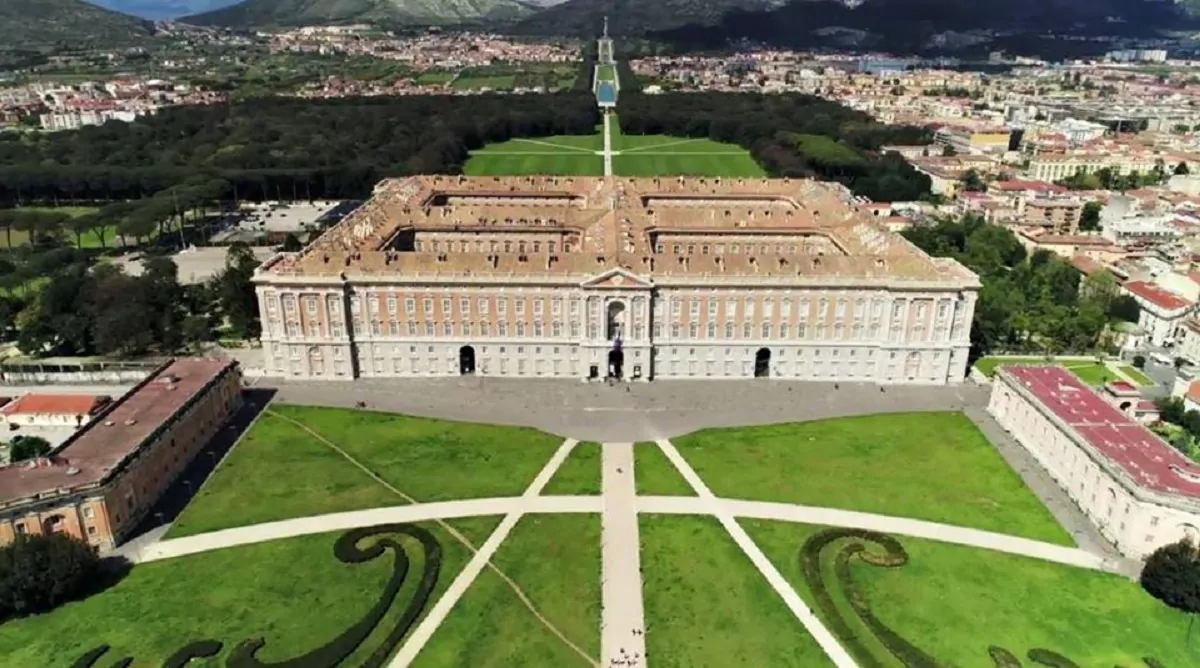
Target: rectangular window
x,y
694,309
766,330
520,329
484,328
482,305
428,305
749,308
310,305
730,308
785,307
729,329
675,330
445,306
537,306
410,306
747,330
711,330
392,304
520,306
841,308
768,307
676,308
502,328
556,307
464,306
502,305
429,328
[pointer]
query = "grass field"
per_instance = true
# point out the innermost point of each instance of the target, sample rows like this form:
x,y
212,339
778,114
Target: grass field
x,y
89,239
1137,376
435,77
929,466
280,471
634,155
953,602
707,605
492,82
227,595
555,560
1089,371
655,475
579,474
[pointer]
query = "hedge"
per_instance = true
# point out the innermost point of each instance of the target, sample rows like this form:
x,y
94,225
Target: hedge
x,y
892,555
351,547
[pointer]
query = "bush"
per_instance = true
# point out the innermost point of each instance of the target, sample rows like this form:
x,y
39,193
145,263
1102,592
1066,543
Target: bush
x,y
348,551
1045,657
23,447
40,572
1172,575
1002,658
1139,361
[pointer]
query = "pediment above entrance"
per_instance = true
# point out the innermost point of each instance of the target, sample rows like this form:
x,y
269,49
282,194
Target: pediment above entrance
x,y
617,278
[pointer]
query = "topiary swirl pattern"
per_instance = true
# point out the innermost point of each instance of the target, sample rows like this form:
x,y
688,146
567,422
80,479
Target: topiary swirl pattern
x,y
356,546
884,551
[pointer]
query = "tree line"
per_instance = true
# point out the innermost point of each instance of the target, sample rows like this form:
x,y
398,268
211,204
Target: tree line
x,y
778,130
1027,303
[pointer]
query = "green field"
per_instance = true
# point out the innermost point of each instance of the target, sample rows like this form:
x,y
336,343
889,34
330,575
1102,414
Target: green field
x,y
707,606
633,155
929,466
280,471
555,560
953,602
1137,376
229,595
491,82
89,239
1089,371
579,474
655,475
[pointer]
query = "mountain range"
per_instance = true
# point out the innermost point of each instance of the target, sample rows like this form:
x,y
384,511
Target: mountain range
x,y
163,10
307,12
69,23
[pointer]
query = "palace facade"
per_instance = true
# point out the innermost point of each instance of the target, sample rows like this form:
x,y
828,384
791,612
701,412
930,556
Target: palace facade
x,y
582,277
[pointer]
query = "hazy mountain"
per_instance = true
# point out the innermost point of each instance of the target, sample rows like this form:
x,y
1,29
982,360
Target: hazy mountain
x,y
633,17
162,10
311,12
73,23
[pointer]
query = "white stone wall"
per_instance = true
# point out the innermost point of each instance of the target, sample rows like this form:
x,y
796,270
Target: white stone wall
x,y
1135,525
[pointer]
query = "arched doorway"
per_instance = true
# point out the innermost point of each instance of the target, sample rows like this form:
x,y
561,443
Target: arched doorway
x,y
762,363
616,363
614,326
53,524
466,360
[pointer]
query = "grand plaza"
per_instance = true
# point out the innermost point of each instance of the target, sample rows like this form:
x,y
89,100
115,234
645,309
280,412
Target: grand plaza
x,y
594,277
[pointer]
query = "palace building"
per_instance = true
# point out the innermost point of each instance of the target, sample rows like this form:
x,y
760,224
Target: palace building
x,y
635,278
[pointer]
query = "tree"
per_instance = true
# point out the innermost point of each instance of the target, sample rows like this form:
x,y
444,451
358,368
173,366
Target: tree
x,y
949,151
1089,218
23,448
291,244
235,291
1182,169
1125,308
1172,575
1139,361
40,572
972,182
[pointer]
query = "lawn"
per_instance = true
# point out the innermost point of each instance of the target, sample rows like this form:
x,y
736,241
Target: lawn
x,y
280,471
707,605
493,82
555,560
88,240
579,474
568,155
1089,371
1137,376
930,466
655,475
953,602
227,595
435,78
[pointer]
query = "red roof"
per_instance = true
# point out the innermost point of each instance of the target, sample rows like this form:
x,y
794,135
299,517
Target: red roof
x,y
55,404
91,455
1144,457
1160,297
1018,185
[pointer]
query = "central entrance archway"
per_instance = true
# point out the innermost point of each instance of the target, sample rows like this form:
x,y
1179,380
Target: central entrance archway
x,y
762,363
466,360
616,363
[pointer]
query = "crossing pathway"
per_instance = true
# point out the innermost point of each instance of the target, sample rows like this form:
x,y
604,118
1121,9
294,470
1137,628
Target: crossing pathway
x,y
622,642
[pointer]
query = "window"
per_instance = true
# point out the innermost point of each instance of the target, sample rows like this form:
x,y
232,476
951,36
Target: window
x,y
445,306
447,328
676,308
556,329
466,328
768,307
464,306
482,305
841,308
785,307
693,330
502,305
749,306
310,305
392,304
822,307
783,330
575,330
502,328
412,327
520,329
428,328
656,330
729,329
694,308
537,329
675,330
711,330
427,305
88,513
537,307
484,328
575,307
747,330
730,308
520,306
766,330
556,307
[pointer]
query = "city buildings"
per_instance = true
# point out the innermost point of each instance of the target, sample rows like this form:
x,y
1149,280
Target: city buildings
x,y
1163,311
101,482
1139,491
635,278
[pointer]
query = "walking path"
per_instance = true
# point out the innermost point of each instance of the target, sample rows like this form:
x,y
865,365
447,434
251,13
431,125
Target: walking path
x,y
425,630
833,649
608,152
623,619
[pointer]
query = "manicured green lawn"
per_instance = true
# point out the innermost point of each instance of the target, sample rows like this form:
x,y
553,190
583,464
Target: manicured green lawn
x,y
434,77
579,474
280,471
1092,374
708,606
494,82
987,365
555,560
1137,376
293,592
929,466
655,475
953,602
89,239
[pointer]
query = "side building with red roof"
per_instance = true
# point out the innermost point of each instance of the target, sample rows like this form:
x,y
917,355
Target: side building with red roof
x,y
1139,491
101,482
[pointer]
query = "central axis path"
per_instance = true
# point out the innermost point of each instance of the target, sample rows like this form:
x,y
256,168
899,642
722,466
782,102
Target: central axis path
x,y
623,619
608,153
